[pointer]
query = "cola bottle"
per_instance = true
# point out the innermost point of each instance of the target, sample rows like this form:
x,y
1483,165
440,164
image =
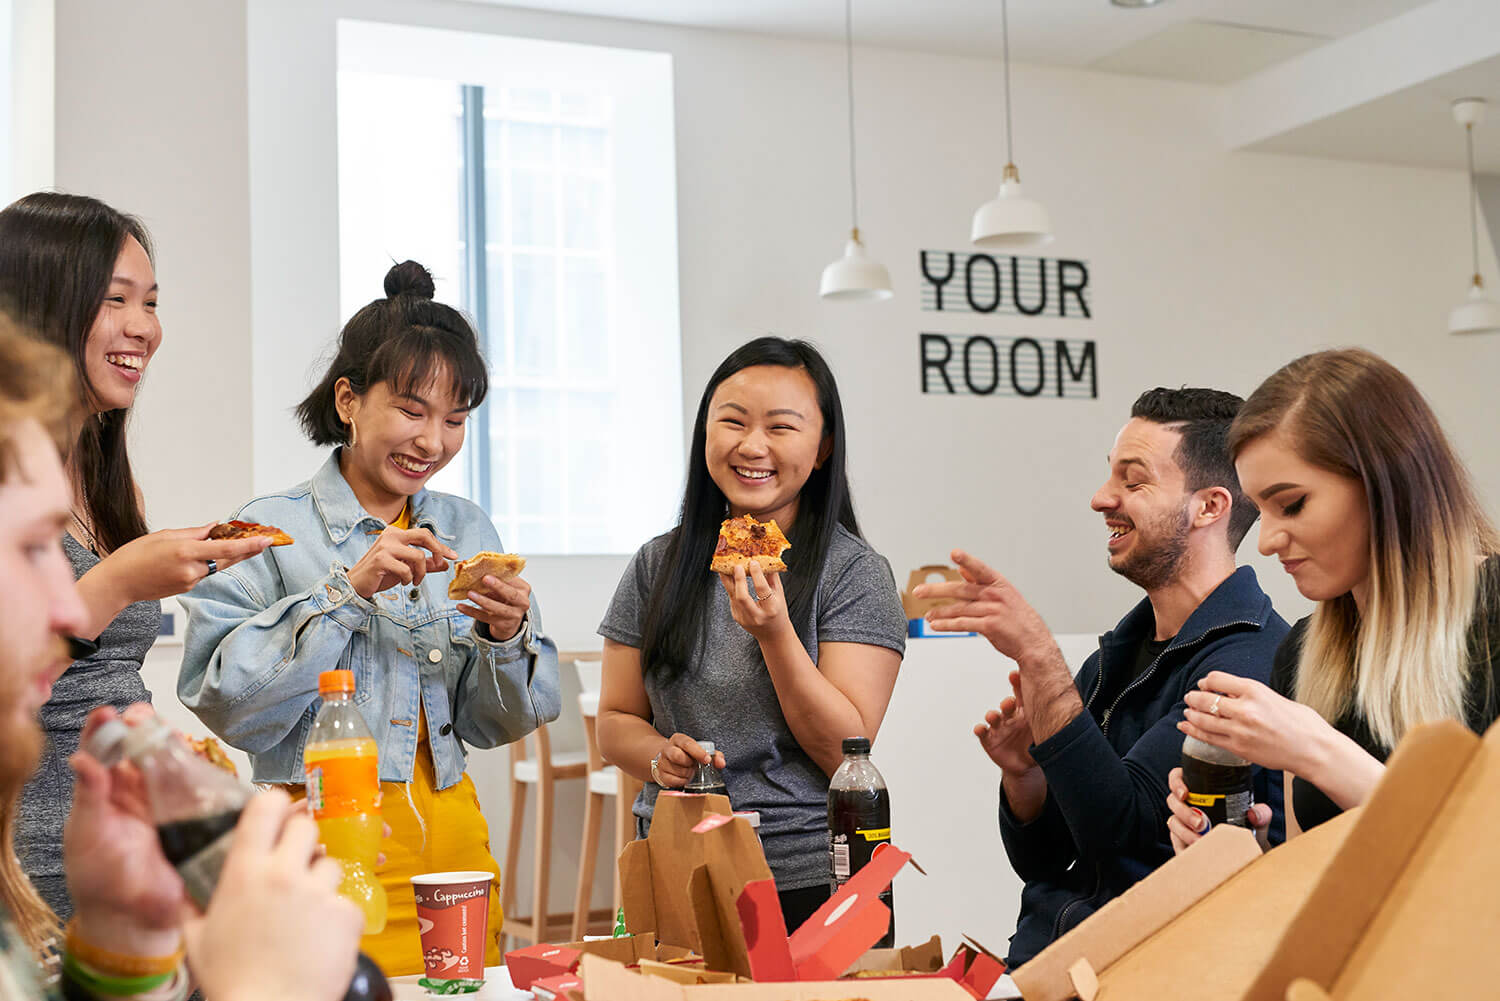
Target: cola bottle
x,y
707,778
1219,783
859,822
195,807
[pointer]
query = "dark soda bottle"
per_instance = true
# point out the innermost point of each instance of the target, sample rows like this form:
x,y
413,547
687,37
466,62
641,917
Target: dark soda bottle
x,y
196,806
1219,783
707,778
859,822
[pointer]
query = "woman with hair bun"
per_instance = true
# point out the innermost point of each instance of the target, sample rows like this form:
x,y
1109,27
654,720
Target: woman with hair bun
x,y
365,588
1369,509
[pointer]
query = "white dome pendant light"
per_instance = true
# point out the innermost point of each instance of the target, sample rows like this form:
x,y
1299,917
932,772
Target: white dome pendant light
x,y
856,276
1480,314
1012,219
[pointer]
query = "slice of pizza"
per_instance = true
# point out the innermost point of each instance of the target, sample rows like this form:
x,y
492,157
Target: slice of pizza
x,y
468,573
744,539
249,530
209,750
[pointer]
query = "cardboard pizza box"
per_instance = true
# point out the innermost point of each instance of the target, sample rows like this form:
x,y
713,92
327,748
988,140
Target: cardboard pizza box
x,y
1406,906
1223,903
565,987
655,871
534,963
924,958
916,608
604,980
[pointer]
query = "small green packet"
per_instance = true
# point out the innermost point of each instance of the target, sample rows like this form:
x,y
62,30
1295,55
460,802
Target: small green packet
x,y
450,986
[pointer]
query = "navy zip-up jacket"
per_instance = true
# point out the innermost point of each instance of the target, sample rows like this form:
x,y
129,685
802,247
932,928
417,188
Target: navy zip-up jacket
x,y
1104,824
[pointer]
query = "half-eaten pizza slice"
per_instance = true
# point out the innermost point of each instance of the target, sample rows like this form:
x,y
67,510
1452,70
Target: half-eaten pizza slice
x,y
249,530
468,573
743,540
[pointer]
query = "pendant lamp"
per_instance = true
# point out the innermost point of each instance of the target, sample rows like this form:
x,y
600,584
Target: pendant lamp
x,y
1480,314
1011,220
856,276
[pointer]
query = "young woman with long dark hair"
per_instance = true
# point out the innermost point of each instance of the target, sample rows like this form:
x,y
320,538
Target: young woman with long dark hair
x,y
777,678
365,588
79,274
1369,509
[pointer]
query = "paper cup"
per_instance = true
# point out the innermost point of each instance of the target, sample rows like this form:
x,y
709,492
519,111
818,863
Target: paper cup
x,y
453,910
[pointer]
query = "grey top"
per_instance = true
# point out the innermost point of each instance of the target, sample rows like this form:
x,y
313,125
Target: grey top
x,y
111,676
729,699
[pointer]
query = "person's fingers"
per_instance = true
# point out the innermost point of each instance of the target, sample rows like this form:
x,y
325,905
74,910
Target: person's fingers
x,y
962,624
298,842
993,716
1175,783
982,730
226,552
424,538
719,759
727,582
1259,815
1229,684
261,820
487,604
742,587
976,569
327,872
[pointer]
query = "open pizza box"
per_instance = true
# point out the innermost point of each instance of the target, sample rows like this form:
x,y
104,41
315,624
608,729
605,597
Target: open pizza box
x,y
1380,902
700,880
917,608
1407,907
529,965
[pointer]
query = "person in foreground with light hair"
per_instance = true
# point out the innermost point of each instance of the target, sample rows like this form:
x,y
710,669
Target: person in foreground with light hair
x,y
277,926
1368,508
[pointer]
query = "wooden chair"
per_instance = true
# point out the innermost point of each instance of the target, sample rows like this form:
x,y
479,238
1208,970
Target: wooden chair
x,y
543,768
604,781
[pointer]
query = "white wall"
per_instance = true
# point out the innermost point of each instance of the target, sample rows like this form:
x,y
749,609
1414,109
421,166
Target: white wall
x,y
26,106
1207,267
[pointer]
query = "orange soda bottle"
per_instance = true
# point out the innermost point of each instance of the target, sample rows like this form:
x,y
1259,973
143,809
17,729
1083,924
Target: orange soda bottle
x,y
341,763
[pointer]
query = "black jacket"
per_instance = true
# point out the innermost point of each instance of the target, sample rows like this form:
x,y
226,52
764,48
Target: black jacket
x,y
1104,824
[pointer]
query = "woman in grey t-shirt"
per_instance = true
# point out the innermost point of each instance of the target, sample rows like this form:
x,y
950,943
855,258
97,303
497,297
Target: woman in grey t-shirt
x,y
776,673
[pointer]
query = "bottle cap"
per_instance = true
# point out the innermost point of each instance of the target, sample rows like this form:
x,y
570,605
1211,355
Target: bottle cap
x,y
753,816
708,746
107,744
335,681
856,745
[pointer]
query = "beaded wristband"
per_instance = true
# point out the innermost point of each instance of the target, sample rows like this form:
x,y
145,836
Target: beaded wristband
x,y
118,964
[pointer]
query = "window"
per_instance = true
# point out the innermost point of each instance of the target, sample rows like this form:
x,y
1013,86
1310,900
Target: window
x,y
536,180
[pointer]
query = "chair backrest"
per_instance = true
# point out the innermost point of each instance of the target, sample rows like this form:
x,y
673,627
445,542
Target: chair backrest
x,y
590,668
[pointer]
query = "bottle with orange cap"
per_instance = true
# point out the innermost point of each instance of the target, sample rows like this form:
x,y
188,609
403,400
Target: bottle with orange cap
x,y
341,763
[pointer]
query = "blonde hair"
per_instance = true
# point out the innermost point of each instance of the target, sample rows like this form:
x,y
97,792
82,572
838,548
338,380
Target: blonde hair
x,y
1407,660
36,383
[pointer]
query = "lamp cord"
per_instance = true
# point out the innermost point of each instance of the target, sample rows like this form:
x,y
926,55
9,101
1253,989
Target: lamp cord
x,y
1473,201
849,75
1005,41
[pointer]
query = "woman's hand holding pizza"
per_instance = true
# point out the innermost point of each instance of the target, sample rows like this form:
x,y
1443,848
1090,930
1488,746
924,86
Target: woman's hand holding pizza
x,y
764,616
171,561
399,556
501,605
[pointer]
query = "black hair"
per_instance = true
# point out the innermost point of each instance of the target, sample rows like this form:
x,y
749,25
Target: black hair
x,y
678,606
403,340
1202,417
57,256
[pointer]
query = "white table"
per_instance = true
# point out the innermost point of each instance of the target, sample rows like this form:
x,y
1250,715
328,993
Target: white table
x,y
497,987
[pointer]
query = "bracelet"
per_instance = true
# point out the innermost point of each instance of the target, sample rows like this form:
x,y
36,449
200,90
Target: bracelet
x,y
655,775
102,984
118,964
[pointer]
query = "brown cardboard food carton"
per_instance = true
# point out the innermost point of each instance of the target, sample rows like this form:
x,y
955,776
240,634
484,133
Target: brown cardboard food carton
x,y
918,607
1386,902
1407,905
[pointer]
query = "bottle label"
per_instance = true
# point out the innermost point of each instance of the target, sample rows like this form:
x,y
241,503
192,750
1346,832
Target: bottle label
x,y
344,786
848,855
1223,808
200,872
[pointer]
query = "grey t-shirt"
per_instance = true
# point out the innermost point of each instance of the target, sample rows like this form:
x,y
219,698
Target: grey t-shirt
x,y
728,698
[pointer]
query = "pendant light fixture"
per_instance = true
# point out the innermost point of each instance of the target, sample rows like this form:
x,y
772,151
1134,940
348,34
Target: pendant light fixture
x,y
856,276
1012,219
1480,314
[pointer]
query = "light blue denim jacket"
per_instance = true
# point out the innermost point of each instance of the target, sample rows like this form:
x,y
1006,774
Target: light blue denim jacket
x,y
259,634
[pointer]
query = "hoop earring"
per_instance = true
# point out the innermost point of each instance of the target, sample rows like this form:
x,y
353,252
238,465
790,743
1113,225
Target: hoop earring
x,y
353,434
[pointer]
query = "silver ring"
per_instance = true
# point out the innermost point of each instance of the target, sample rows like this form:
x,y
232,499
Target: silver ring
x,y
213,567
1214,708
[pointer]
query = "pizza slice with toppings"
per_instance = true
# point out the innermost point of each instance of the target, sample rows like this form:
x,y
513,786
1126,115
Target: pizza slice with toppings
x,y
743,540
249,530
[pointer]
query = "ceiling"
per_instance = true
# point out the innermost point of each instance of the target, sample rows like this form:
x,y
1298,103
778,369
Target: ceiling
x,y
1055,32
1330,78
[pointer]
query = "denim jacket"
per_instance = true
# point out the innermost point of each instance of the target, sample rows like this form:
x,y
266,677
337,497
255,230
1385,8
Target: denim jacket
x,y
260,632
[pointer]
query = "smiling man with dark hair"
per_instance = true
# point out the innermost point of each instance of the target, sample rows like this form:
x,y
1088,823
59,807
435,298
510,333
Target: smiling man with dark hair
x,y
1084,761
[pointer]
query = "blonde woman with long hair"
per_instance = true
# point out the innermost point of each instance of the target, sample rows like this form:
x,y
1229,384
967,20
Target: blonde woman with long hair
x,y
1368,508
